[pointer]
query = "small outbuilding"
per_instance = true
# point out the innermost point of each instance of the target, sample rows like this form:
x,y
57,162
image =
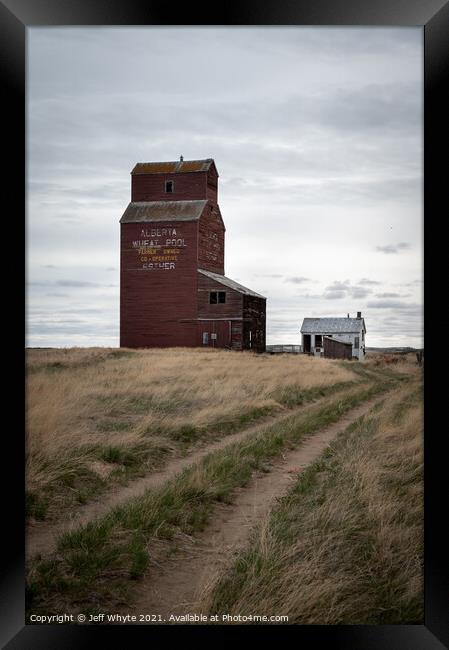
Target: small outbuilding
x,y
347,333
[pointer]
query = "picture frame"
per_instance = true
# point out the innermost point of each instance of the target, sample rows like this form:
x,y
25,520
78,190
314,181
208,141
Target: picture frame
x,y
433,16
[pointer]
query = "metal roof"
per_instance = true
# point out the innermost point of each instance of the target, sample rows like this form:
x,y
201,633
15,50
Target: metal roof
x,y
232,284
331,325
142,211
173,166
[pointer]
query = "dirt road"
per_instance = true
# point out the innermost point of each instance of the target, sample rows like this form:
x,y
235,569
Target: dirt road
x,y
176,585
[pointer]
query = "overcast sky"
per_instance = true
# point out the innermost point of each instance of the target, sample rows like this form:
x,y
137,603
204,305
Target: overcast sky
x,y
316,134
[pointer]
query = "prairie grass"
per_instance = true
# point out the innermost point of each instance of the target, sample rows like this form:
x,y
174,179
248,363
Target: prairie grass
x,y
53,359
346,545
95,416
399,363
93,566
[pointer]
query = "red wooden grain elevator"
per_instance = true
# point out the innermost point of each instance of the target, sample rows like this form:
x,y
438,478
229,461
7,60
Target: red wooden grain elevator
x,y
173,291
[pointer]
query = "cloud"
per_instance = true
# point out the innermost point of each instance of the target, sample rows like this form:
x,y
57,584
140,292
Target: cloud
x,y
368,281
388,295
414,283
75,284
335,295
393,248
307,171
82,310
338,285
358,292
82,284
371,107
284,327
344,289
297,280
393,304
267,275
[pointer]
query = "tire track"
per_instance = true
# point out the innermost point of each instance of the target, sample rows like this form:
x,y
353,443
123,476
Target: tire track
x,y
176,585
42,537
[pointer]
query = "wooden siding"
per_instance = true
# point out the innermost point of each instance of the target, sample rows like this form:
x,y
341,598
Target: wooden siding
x,y
336,349
232,308
212,185
164,301
211,240
245,313
151,187
222,329
237,335
254,314
155,302
225,318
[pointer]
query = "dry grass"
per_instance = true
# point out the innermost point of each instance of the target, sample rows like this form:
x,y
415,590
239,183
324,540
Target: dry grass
x,y
397,362
132,408
95,565
345,547
59,358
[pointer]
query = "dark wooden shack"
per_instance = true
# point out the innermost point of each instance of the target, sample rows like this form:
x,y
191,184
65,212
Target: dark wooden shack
x,y
173,291
334,349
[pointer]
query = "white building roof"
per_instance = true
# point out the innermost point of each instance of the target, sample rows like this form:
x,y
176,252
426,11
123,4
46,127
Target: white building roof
x,y
332,325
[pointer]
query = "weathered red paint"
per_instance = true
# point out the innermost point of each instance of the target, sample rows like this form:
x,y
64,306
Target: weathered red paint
x,y
153,303
164,301
186,186
211,235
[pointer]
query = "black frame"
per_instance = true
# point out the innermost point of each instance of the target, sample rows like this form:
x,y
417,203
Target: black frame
x,y
433,15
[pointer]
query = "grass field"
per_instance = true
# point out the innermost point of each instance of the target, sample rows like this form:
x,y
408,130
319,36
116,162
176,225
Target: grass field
x,y
96,415
98,419
346,545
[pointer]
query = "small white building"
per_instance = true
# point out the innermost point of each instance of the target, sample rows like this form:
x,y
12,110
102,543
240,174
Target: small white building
x,y
346,330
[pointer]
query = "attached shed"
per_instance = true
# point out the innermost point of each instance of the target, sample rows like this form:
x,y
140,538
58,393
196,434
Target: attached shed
x,y
229,314
335,349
